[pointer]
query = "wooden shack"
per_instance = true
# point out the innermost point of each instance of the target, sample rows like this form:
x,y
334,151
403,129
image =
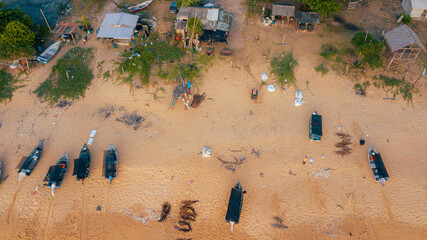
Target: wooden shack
x,y
283,11
307,20
403,45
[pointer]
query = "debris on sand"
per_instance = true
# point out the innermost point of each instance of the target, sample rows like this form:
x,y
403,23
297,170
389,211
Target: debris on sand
x,y
343,146
187,213
166,208
107,111
132,119
278,223
63,103
232,165
198,99
256,153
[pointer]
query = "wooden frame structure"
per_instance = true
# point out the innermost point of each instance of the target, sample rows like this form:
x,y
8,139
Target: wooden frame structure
x,y
353,4
283,11
404,46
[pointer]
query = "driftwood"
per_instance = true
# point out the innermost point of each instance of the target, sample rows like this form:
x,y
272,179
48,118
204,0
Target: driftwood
x,y
187,213
279,223
184,226
166,208
343,146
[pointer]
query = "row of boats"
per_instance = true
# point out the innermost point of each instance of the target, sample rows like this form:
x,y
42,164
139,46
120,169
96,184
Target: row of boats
x,y
57,172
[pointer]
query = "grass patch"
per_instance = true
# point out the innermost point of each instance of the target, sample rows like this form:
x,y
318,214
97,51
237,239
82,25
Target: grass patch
x,y
140,60
62,86
8,84
283,68
396,86
339,56
322,69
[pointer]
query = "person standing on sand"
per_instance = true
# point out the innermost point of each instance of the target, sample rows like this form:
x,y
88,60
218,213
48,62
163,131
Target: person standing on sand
x,y
305,160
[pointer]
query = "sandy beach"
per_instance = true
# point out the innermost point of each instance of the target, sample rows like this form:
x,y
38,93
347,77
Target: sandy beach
x,y
333,198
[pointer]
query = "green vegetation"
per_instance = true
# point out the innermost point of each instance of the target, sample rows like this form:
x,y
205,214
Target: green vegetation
x,y
283,68
70,77
396,86
107,75
139,61
322,69
323,7
338,56
17,41
8,84
187,3
194,24
369,50
406,19
252,7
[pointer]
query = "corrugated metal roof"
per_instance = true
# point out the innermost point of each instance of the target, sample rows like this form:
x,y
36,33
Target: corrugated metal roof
x,y
419,4
118,26
283,10
211,18
307,17
401,37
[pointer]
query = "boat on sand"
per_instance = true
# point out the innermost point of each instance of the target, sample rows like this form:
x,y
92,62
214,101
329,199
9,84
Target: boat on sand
x,y
56,173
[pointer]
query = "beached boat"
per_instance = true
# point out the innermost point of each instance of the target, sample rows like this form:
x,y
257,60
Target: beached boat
x,y
56,173
48,54
377,165
111,163
140,6
82,164
27,164
315,131
235,205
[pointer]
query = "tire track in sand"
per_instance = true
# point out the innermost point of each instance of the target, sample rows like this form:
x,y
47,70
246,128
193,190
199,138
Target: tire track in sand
x,y
46,225
83,226
107,212
12,204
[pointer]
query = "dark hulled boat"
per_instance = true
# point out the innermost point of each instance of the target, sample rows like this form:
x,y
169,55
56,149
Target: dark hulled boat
x,y
111,163
82,164
27,164
56,173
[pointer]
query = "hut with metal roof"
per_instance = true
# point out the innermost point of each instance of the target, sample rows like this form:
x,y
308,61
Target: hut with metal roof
x,y
282,11
306,20
119,27
403,45
215,22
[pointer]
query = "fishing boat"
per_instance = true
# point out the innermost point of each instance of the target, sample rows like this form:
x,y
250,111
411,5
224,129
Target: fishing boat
x,y
235,205
48,54
140,6
377,165
315,130
82,164
56,173
111,163
27,164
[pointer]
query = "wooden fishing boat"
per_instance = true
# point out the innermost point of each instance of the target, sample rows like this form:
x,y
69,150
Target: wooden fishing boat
x,y
111,163
82,164
27,164
235,205
377,165
56,173
48,54
140,6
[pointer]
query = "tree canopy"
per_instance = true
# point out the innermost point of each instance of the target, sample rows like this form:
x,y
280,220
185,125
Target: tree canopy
x,y
198,27
369,50
323,7
187,3
16,41
17,38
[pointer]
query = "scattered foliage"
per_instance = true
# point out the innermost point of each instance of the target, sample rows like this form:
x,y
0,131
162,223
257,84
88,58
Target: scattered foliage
x,y
16,41
194,24
283,68
8,84
396,86
406,19
322,69
70,77
368,49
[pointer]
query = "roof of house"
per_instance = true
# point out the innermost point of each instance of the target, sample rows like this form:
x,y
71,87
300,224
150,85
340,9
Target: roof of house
x,y
307,17
283,10
401,37
118,26
419,4
211,18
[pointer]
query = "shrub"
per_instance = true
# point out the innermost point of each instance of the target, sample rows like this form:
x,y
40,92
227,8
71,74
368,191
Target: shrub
x,y
60,85
322,69
396,86
368,49
8,84
406,19
283,68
